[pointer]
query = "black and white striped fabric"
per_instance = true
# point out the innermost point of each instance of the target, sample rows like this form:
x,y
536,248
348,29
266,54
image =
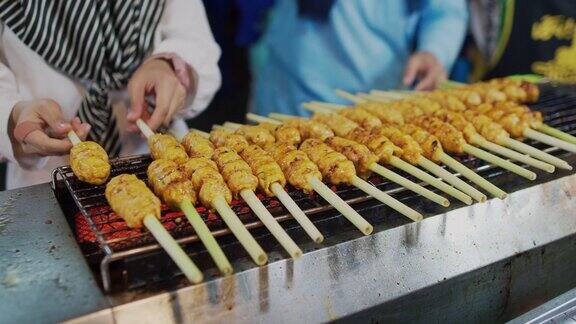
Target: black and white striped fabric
x,y
99,41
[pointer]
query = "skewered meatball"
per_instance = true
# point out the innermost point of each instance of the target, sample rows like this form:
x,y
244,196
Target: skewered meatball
x,y
89,162
359,154
170,183
164,146
196,145
296,165
131,199
333,165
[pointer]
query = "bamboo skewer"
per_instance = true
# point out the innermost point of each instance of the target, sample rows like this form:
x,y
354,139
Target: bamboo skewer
x,y
376,168
174,250
340,205
285,199
527,149
473,176
247,241
73,137
451,179
271,223
489,157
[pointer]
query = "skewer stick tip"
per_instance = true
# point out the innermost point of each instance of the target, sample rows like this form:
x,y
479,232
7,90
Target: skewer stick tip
x,y
144,128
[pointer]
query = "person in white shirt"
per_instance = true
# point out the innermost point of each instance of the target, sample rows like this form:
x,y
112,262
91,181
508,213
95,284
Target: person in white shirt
x,y
95,67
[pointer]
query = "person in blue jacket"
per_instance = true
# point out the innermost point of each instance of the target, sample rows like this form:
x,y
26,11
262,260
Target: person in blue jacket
x,y
315,46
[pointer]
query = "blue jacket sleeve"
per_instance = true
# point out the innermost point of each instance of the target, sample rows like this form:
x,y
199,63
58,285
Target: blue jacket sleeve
x,y
442,28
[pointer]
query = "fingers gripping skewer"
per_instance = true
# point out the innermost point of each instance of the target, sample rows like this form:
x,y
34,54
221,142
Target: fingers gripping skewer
x,y
131,199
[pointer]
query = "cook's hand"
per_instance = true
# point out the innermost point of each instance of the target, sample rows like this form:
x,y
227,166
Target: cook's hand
x,y
155,77
39,128
427,69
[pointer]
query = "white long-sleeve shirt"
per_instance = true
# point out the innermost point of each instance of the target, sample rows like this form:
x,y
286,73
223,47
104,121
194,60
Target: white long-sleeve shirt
x,y
24,75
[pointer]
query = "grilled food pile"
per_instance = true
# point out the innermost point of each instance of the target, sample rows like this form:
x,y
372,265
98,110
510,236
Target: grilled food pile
x,y
337,145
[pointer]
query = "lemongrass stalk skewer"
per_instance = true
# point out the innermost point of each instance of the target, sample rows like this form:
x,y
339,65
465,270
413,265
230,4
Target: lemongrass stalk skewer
x,y
204,233
290,205
422,161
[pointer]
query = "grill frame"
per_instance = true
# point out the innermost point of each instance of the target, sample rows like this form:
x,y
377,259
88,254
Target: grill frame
x,y
561,115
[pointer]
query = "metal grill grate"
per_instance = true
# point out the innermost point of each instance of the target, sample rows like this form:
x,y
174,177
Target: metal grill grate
x,y
105,238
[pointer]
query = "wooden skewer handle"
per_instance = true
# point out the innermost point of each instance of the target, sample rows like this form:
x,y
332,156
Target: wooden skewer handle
x,y
271,224
348,96
516,156
174,250
340,205
297,213
435,182
473,176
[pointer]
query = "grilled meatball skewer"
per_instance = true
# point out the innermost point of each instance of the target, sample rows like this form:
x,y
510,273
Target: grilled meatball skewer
x,y
243,183
88,160
212,191
271,180
177,191
411,149
361,158
476,129
514,120
131,199
384,149
303,174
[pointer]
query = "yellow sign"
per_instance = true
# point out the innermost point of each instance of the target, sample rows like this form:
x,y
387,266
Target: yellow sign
x,y
563,66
